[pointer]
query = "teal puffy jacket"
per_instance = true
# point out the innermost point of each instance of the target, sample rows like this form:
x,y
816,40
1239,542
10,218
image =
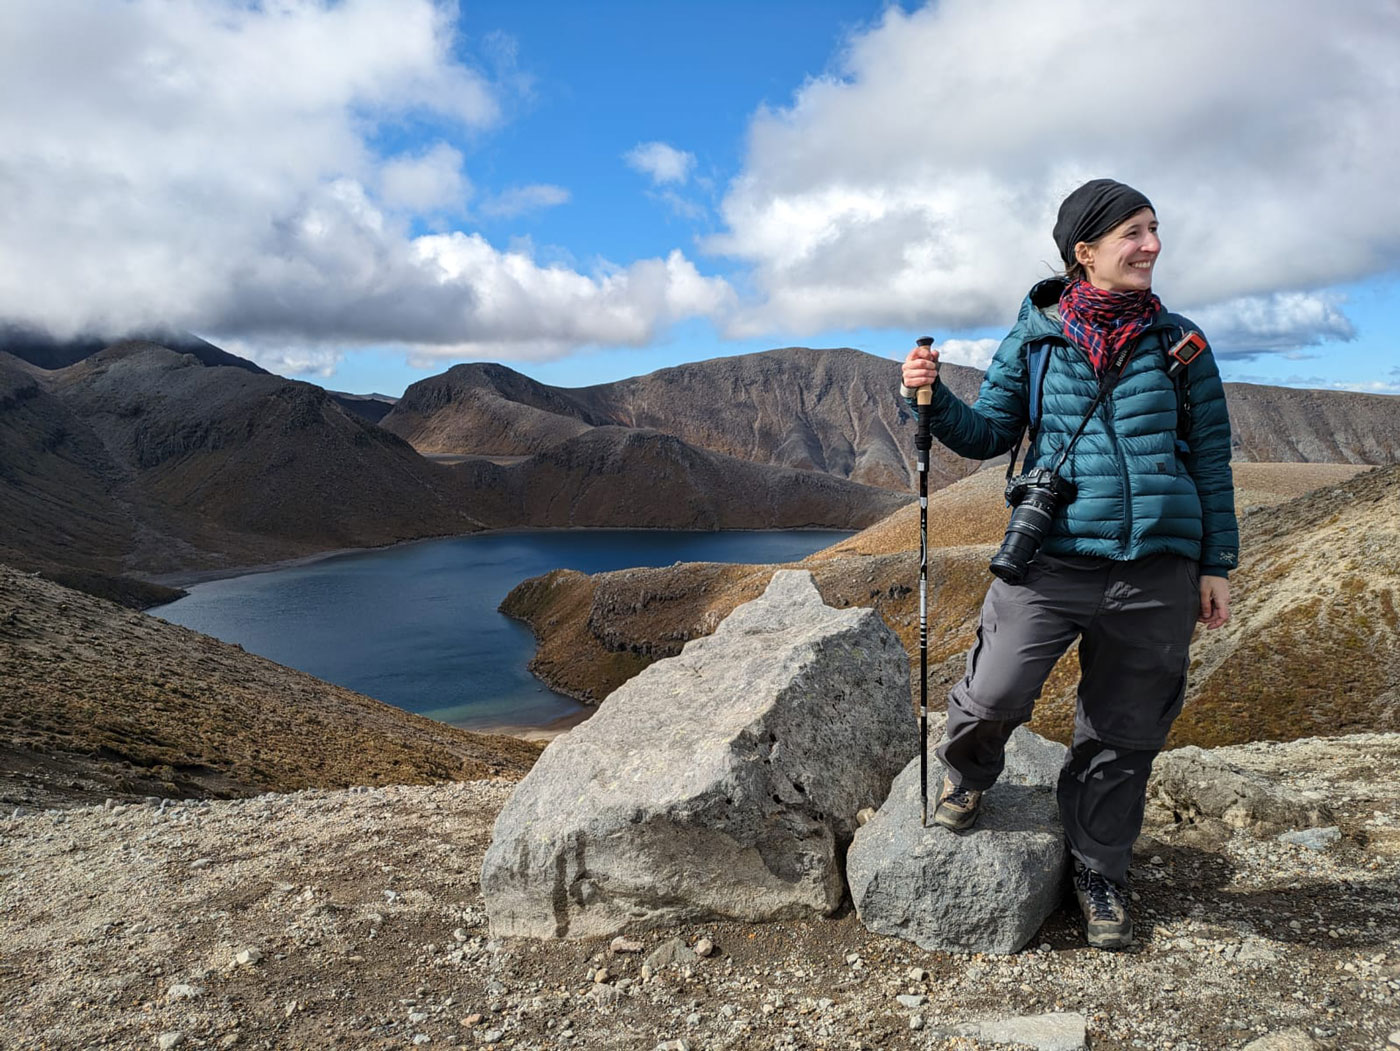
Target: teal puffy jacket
x,y
1140,493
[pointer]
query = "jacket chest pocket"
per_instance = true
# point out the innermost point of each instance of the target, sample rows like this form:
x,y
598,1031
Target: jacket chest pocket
x,y
1164,464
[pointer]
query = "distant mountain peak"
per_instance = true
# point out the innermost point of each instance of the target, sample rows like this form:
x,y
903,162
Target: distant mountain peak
x,y
40,348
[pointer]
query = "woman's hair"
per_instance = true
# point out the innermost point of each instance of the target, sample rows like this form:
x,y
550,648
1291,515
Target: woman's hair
x,y
1074,272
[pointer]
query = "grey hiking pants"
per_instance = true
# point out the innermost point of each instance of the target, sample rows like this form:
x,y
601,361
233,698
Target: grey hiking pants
x,y
1134,621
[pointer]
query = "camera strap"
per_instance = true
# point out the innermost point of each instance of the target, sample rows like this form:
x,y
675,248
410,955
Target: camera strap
x,y
1107,381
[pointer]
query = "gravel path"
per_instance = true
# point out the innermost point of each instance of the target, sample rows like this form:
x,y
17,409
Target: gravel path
x,y
353,919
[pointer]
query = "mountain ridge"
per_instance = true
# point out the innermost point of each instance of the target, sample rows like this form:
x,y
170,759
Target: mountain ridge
x,y
831,411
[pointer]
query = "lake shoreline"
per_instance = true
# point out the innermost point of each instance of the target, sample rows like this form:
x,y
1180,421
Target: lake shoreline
x,y
546,732
456,633
188,577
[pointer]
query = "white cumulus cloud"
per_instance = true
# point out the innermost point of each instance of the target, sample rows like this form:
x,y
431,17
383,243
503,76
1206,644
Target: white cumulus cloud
x,y
521,199
619,306
1280,321
662,163
429,182
921,177
975,352
217,165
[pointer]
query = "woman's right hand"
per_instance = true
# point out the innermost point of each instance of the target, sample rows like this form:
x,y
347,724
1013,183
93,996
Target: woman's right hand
x,y
921,368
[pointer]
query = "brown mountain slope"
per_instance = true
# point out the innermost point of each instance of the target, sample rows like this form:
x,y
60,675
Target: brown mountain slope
x,y
1311,649
233,466
828,411
97,701
487,409
59,488
832,411
1288,425
611,476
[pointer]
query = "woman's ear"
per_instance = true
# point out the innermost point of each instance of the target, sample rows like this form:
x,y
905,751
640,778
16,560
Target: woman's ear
x,y
1083,254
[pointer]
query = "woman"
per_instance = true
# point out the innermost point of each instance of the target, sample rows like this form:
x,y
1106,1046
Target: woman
x,y
1127,567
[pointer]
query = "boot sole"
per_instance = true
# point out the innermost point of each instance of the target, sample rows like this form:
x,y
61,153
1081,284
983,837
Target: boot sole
x,y
1109,941
954,824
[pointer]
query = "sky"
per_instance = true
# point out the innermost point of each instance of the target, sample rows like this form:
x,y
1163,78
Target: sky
x,y
362,193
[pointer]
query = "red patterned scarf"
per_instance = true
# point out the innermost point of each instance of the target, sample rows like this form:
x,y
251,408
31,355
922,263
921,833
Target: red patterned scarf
x,y
1101,322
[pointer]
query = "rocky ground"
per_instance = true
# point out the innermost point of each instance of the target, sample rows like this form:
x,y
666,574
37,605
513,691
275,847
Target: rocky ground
x,y
353,919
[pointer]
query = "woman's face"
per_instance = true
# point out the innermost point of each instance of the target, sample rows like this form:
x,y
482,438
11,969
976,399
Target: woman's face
x,y
1122,259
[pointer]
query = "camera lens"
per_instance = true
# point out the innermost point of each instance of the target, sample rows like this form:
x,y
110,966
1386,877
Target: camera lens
x,y
1030,521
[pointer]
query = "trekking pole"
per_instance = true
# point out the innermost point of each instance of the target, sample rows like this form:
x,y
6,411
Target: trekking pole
x,y
923,441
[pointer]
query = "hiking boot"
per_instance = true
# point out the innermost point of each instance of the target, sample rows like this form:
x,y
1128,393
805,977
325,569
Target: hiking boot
x,y
957,806
1105,907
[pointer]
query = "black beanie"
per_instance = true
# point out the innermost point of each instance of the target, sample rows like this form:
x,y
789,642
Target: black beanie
x,y
1092,211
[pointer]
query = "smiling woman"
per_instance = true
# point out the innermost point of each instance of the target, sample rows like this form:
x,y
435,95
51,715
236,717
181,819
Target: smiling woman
x,y
1122,259
1121,539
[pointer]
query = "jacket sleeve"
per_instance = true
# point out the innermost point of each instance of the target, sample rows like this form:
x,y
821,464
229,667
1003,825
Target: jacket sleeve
x,y
1208,461
992,424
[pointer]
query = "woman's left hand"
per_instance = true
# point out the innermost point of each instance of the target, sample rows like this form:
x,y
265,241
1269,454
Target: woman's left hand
x,y
1215,601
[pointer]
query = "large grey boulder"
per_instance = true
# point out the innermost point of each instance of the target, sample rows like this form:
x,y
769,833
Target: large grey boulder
x,y
985,890
721,783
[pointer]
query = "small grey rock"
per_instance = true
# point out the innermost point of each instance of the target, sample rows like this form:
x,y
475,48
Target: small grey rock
x,y
184,992
621,944
168,1040
671,953
1057,1031
248,957
912,1001
604,995
1313,838
1254,951
1284,1040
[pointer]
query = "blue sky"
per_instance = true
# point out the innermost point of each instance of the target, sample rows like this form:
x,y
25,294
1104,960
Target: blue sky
x,y
362,193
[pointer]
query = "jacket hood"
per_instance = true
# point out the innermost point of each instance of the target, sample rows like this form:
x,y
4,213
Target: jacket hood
x,y
1036,320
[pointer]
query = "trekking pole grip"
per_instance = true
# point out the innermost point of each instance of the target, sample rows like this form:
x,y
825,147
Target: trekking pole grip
x,y
925,394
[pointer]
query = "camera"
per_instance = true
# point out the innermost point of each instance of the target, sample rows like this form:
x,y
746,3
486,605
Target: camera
x,y
1035,497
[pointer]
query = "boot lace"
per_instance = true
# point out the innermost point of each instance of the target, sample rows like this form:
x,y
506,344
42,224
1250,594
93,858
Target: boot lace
x,y
1105,899
959,797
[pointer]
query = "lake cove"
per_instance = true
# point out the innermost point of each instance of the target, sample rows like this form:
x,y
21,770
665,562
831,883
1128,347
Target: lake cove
x,y
416,625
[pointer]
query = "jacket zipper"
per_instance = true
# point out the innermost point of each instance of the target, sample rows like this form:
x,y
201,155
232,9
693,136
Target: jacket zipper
x,y
1110,411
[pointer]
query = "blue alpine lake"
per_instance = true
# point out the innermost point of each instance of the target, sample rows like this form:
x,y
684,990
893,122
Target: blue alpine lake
x,y
416,625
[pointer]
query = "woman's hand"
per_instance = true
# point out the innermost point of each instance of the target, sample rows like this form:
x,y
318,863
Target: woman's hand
x,y
921,368
1215,601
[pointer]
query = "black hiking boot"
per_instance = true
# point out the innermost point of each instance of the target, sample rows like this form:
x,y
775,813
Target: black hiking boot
x,y
1104,903
957,806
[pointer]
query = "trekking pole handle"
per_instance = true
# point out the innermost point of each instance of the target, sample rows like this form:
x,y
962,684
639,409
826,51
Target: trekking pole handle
x,y
925,394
